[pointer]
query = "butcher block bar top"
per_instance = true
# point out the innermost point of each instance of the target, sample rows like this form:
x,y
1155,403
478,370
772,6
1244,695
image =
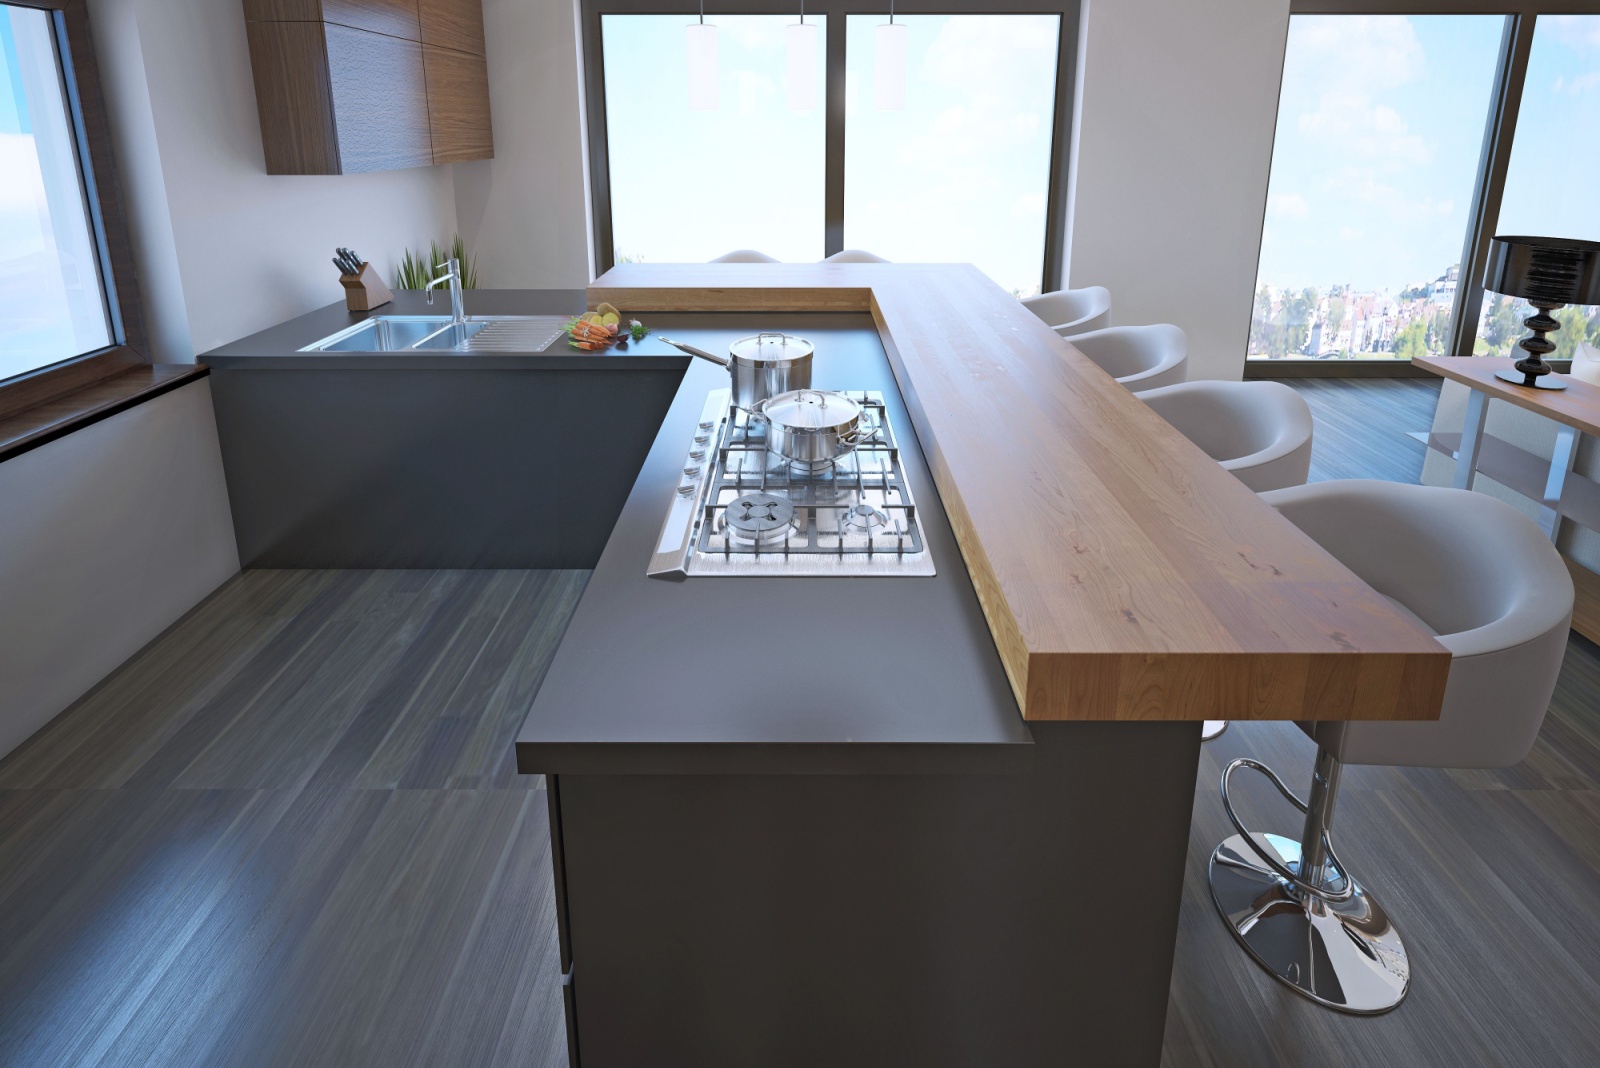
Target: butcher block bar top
x,y
1123,573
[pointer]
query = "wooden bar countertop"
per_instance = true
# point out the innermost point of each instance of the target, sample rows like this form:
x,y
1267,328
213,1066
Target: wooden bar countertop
x,y
1124,574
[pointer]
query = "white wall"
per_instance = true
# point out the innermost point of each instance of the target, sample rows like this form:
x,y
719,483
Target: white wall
x,y
524,213
109,535
1179,104
226,249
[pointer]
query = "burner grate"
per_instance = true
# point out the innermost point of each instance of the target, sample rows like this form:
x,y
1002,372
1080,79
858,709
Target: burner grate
x,y
746,511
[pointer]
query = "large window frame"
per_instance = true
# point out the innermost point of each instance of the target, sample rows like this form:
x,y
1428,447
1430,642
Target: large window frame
x,y
114,251
1057,207
1494,159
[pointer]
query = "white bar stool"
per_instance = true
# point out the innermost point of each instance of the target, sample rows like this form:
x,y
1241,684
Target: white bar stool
x,y
1073,311
1260,431
1479,574
1140,357
745,255
854,255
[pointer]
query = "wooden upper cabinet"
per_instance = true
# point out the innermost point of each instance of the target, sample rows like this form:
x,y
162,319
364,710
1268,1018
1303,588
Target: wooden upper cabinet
x,y
456,24
396,18
458,105
380,101
344,86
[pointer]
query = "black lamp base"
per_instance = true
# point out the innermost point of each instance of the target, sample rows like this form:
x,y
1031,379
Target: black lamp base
x,y
1550,382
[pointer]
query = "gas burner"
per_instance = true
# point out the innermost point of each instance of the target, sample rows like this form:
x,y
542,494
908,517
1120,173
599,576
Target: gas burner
x,y
762,518
749,511
864,519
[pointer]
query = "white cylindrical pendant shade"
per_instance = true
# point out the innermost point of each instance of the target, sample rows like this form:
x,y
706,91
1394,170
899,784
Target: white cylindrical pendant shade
x,y
802,81
889,92
703,72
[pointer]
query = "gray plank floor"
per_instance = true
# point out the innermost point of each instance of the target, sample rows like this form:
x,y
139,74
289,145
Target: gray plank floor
x,y
289,832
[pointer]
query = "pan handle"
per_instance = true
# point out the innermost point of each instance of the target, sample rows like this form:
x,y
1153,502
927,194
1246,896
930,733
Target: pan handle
x,y
721,361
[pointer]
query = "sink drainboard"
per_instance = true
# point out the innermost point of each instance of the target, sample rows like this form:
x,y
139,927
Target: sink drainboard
x,y
533,334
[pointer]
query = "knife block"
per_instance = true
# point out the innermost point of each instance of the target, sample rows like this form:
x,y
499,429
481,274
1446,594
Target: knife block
x,y
365,291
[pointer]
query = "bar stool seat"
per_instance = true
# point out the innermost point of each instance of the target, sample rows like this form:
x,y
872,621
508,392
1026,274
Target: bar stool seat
x,y
1073,311
1481,576
745,255
1260,431
1140,357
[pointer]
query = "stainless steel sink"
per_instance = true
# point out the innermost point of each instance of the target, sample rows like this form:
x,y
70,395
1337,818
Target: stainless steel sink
x,y
431,333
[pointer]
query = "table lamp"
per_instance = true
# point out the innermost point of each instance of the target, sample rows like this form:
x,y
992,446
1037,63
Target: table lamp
x,y
1549,273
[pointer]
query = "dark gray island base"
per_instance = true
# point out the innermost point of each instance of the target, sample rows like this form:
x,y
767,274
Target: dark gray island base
x,y
433,459
800,821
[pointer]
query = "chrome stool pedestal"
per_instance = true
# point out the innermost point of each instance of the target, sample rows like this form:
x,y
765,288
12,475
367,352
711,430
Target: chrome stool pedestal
x,y
1296,909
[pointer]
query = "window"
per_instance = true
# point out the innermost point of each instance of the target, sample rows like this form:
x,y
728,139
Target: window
x,y
1390,173
1554,172
1380,124
964,172
53,303
690,185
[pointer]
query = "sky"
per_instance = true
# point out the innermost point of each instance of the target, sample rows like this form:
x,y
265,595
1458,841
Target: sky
x,y
50,302
1380,128
960,175
1553,184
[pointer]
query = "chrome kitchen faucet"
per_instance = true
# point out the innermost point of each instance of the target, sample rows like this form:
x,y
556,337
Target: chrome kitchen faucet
x,y
452,269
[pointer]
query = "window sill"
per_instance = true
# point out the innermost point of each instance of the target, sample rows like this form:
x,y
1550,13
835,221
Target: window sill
x,y
59,416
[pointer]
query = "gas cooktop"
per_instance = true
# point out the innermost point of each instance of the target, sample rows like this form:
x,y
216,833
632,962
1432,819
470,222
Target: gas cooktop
x,y
740,509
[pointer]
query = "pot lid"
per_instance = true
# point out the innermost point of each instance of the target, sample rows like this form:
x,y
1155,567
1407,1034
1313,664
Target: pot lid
x,y
810,409
770,347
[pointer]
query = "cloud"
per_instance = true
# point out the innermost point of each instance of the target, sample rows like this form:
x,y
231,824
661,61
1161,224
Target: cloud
x,y
1351,233
1358,53
1345,64
1583,83
1288,205
1581,33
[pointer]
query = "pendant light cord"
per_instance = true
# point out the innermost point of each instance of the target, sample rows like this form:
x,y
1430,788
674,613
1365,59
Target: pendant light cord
x,y
703,12
891,10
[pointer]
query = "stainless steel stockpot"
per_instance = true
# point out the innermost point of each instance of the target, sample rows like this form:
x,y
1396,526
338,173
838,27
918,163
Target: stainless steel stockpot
x,y
761,366
810,426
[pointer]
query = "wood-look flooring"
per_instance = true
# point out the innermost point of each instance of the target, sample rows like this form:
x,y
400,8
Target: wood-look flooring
x,y
289,832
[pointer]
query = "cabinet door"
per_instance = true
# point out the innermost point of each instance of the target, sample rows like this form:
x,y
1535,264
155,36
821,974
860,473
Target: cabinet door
x,y
293,97
456,24
380,103
397,18
458,105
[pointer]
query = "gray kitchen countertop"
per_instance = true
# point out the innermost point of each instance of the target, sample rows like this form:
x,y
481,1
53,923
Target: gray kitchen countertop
x,y
278,347
879,675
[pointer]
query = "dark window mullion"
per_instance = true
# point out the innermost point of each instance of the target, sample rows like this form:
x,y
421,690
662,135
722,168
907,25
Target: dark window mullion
x,y
1499,132
833,135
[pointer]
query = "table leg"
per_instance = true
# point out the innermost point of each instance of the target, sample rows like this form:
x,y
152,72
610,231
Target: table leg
x,y
1561,461
1471,440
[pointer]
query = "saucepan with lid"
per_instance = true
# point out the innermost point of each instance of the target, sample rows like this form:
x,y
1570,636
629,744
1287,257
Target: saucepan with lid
x,y
762,365
811,426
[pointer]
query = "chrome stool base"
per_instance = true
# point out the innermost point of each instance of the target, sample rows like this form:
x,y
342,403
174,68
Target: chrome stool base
x,y
1344,954
1211,728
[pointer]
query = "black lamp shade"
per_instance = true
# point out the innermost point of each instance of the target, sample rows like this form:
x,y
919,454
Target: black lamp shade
x,y
1545,270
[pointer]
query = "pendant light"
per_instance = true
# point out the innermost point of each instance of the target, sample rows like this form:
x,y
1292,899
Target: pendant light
x,y
889,75
802,81
702,61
